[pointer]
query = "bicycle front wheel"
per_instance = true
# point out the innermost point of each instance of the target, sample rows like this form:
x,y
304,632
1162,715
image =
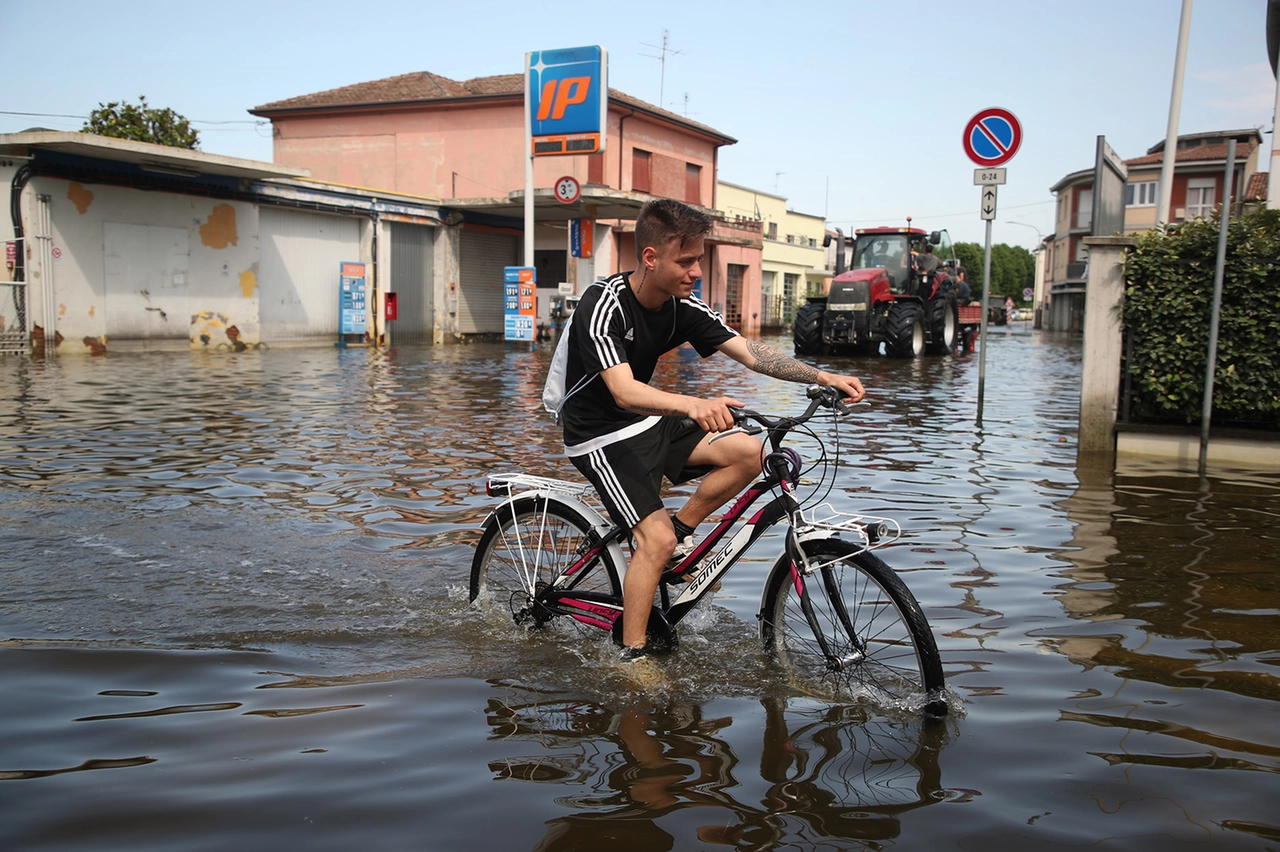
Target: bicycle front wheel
x,y
852,626
528,545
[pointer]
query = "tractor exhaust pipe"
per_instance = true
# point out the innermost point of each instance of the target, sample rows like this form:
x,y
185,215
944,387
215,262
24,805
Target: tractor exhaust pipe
x,y
839,249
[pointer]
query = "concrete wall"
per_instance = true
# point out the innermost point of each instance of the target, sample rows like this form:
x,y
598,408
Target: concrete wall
x,y
194,270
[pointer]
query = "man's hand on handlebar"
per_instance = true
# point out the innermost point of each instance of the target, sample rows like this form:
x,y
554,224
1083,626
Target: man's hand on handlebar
x,y
713,415
849,386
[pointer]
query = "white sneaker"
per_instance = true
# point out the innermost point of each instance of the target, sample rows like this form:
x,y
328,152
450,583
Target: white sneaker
x,y
684,547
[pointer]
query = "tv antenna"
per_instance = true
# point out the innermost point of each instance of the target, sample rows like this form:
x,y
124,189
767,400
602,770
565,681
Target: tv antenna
x,y
662,60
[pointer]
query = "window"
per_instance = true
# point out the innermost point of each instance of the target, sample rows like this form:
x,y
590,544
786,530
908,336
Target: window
x,y
693,183
773,231
735,284
1141,194
1201,197
1084,208
787,300
595,169
640,170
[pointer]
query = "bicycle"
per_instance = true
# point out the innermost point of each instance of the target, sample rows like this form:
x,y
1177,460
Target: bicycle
x,y
831,610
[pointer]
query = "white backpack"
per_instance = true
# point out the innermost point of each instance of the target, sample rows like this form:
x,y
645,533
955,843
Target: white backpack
x,y
554,395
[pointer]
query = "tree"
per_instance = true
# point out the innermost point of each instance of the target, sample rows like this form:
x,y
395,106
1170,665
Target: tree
x,y
1013,268
141,123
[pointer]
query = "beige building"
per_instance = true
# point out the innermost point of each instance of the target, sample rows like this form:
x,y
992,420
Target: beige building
x,y
1198,191
793,261
1197,177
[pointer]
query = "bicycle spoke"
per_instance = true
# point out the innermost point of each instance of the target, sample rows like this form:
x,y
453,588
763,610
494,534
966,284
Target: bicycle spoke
x,y
854,629
526,547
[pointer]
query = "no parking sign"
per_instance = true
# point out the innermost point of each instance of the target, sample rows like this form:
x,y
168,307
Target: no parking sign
x,y
992,137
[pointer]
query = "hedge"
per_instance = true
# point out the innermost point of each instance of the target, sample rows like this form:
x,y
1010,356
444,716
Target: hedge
x,y
1168,299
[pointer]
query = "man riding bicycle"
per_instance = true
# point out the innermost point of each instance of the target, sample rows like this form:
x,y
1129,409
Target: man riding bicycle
x,y
625,435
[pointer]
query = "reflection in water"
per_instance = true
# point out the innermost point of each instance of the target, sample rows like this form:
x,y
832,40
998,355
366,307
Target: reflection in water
x,y
1173,583
831,772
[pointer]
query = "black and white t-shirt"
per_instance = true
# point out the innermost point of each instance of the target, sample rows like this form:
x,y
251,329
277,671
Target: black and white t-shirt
x,y
611,327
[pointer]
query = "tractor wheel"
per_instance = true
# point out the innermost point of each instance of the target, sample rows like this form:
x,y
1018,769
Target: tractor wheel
x,y
944,325
807,333
905,332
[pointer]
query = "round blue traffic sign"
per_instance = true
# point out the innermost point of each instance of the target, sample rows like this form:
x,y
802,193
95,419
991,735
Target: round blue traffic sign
x,y
992,137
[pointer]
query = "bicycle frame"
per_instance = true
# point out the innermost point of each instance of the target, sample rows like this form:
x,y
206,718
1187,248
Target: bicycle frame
x,y
601,611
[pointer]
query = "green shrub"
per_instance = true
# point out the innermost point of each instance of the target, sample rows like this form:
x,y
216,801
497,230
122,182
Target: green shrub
x,y
1168,299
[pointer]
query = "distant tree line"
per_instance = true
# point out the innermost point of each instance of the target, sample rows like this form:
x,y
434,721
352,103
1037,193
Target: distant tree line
x,y
1013,268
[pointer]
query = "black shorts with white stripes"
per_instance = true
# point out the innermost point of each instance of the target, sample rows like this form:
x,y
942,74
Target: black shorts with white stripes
x,y
628,474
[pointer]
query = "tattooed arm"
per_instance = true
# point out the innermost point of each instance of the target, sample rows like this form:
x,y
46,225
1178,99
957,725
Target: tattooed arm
x,y
769,361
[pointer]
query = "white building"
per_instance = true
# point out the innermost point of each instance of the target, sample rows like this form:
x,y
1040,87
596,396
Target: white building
x,y
117,243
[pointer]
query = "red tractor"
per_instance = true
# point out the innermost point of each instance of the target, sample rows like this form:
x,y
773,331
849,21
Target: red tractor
x,y
899,290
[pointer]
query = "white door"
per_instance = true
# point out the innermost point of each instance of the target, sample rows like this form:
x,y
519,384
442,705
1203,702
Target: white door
x,y
146,282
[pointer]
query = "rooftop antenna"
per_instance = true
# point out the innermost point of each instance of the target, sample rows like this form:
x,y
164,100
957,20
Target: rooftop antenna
x,y
662,59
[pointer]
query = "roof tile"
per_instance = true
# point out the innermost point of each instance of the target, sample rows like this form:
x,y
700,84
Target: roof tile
x,y
1191,155
425,86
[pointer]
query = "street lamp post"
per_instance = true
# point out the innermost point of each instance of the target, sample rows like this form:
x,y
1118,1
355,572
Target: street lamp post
x,y
1038,296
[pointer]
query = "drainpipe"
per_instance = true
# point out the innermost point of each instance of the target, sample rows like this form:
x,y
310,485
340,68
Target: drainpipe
x,y
20,178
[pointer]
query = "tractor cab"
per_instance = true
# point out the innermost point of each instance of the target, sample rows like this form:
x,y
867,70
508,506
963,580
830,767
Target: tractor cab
x,y
889,251
902,253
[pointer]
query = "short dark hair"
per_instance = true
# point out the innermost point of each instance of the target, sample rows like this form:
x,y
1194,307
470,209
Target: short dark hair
x,y
663,219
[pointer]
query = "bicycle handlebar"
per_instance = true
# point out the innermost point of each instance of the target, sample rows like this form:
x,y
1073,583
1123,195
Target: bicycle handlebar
x,y
819,397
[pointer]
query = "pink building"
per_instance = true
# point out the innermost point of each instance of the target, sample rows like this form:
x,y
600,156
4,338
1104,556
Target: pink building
x,y
463,143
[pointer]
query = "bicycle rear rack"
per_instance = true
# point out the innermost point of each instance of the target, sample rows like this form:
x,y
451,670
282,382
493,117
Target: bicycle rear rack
x,y
502,484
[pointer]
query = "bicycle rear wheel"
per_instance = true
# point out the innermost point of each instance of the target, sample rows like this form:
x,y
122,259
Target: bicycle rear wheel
x,y
876,638
527,546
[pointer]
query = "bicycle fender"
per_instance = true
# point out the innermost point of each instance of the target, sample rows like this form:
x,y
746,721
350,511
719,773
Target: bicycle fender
x,y
598,522
814,534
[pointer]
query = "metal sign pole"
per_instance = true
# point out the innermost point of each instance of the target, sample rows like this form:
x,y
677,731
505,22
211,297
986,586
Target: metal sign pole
x,y
528,168
1216,311
991,138
982,334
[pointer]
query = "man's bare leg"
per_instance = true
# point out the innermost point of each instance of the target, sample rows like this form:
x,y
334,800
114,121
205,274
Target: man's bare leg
x,y
655,540
737,461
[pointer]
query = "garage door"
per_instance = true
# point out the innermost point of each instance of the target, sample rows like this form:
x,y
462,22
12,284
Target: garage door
x,y
298,277
484,257
412,282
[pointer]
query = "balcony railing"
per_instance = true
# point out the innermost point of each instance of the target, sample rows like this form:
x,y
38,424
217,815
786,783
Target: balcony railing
x,y
1077,271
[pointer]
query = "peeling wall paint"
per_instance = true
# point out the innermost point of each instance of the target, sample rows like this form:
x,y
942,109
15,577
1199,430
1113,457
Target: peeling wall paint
x,y
208,327
248,282
220,229
80,197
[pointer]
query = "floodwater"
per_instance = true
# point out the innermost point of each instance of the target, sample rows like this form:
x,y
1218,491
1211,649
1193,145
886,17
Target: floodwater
x,y
233,616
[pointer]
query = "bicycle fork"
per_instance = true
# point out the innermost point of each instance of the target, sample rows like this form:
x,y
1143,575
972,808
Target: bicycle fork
x,y
802,569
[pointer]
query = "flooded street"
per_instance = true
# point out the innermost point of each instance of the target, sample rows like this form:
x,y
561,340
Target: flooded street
x,y
233,615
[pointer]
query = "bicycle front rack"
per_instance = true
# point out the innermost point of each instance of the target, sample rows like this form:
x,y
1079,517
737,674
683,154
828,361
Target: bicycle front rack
x,y
871,531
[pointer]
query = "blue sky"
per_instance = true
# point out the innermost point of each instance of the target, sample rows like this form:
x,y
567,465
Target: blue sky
x,y
853,110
